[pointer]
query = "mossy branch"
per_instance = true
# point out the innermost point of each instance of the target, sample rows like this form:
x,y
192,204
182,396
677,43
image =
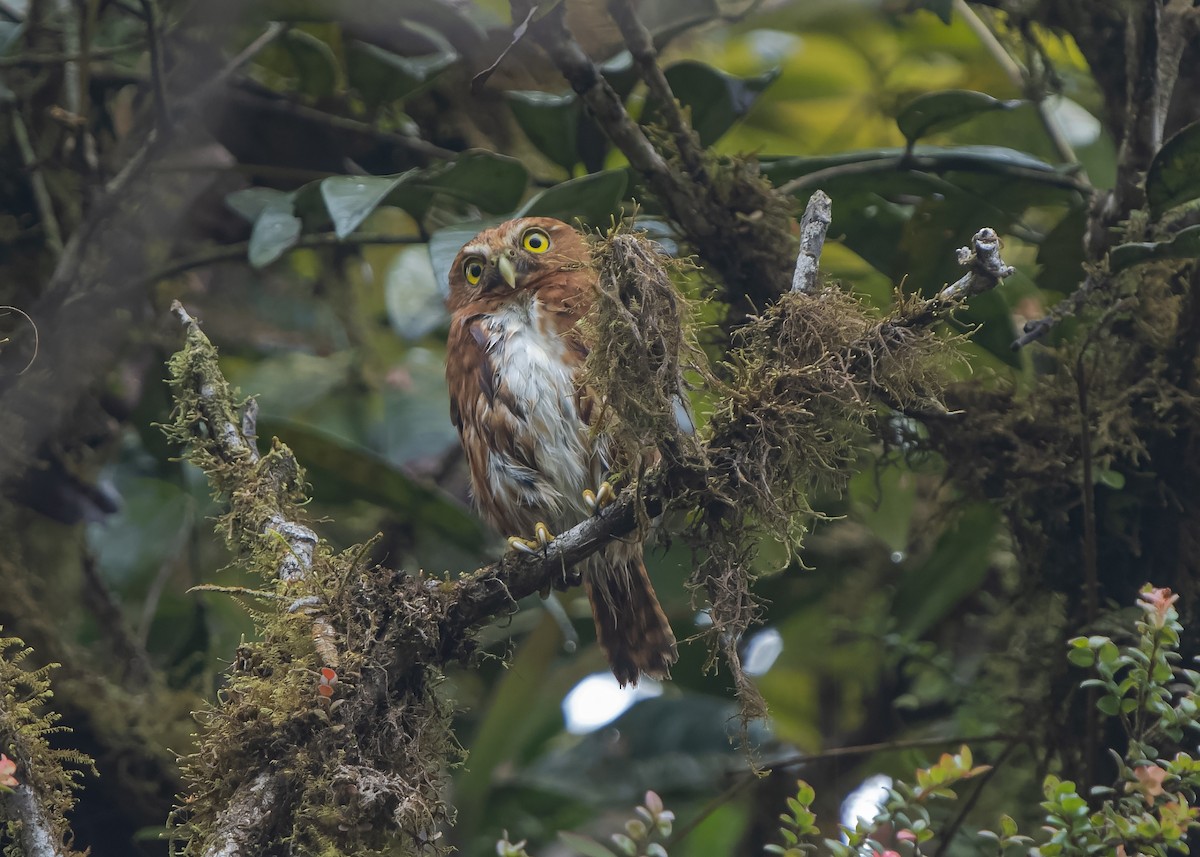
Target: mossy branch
x,y
355,759
37,786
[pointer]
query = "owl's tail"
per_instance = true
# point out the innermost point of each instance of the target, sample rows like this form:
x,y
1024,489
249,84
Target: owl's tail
x,y
630,623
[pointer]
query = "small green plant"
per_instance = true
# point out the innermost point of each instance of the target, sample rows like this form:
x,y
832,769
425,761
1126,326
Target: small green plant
x,y
642,837
1148,811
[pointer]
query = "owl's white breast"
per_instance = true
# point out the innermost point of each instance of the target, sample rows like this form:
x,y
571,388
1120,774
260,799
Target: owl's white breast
x,y
532,363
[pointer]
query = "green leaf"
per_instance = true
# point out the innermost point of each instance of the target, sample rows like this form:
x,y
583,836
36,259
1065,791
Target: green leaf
x,y
381,76
593,199
1110,705
275,231
1174,174
938,111
315,65
1081,657
351,199
584,845
716,99
551,122
493,183
1183,245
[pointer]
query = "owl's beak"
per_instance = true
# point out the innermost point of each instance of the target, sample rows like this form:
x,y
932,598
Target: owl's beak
x,y
508,271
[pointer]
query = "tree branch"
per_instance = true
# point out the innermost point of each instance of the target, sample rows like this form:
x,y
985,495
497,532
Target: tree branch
x,y
818,214
987,269
38,835
237,252
641,46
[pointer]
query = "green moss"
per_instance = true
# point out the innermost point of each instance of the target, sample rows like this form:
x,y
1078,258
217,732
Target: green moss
x,y
336,697
25,723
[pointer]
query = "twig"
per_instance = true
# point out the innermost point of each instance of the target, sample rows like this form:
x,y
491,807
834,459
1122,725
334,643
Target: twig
x,y
987,269
25,60
969,804
137,669
273,103
748,777
238,251
38,837
37,183
608,109
1037,328
641,46
158,74
813,227
33,325
480,80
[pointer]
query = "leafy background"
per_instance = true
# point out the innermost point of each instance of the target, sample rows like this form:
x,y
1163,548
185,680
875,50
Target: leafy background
x,y
317,259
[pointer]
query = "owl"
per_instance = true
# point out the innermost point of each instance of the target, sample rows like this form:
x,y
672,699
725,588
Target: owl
x,y
514,360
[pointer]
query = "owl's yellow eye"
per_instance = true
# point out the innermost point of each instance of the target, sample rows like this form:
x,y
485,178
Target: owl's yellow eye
x,y
535,241
473,269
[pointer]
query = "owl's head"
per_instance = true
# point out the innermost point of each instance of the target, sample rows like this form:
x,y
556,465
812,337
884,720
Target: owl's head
x,y
516,256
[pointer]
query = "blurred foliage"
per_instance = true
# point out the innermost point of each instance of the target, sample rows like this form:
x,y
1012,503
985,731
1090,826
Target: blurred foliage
x,y
357,162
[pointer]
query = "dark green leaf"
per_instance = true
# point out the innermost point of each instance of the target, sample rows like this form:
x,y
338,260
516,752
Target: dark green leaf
x,y
275,231
351,199
550,121
592,199
1184,245
937,111
957,567
1174,175
381,76
1060,253
493,183
716,99
315,65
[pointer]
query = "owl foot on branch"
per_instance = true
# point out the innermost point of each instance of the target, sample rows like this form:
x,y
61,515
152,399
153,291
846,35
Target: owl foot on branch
x,y
601,497
541,538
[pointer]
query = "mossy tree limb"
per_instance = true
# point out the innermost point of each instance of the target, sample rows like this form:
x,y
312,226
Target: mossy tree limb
x,y
33,811
297,756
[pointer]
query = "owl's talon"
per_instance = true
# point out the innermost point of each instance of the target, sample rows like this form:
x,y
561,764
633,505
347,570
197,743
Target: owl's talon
x,y
521,545
541,539
597,500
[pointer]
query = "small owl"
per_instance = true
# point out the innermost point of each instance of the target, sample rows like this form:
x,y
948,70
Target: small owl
x,y
514,358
